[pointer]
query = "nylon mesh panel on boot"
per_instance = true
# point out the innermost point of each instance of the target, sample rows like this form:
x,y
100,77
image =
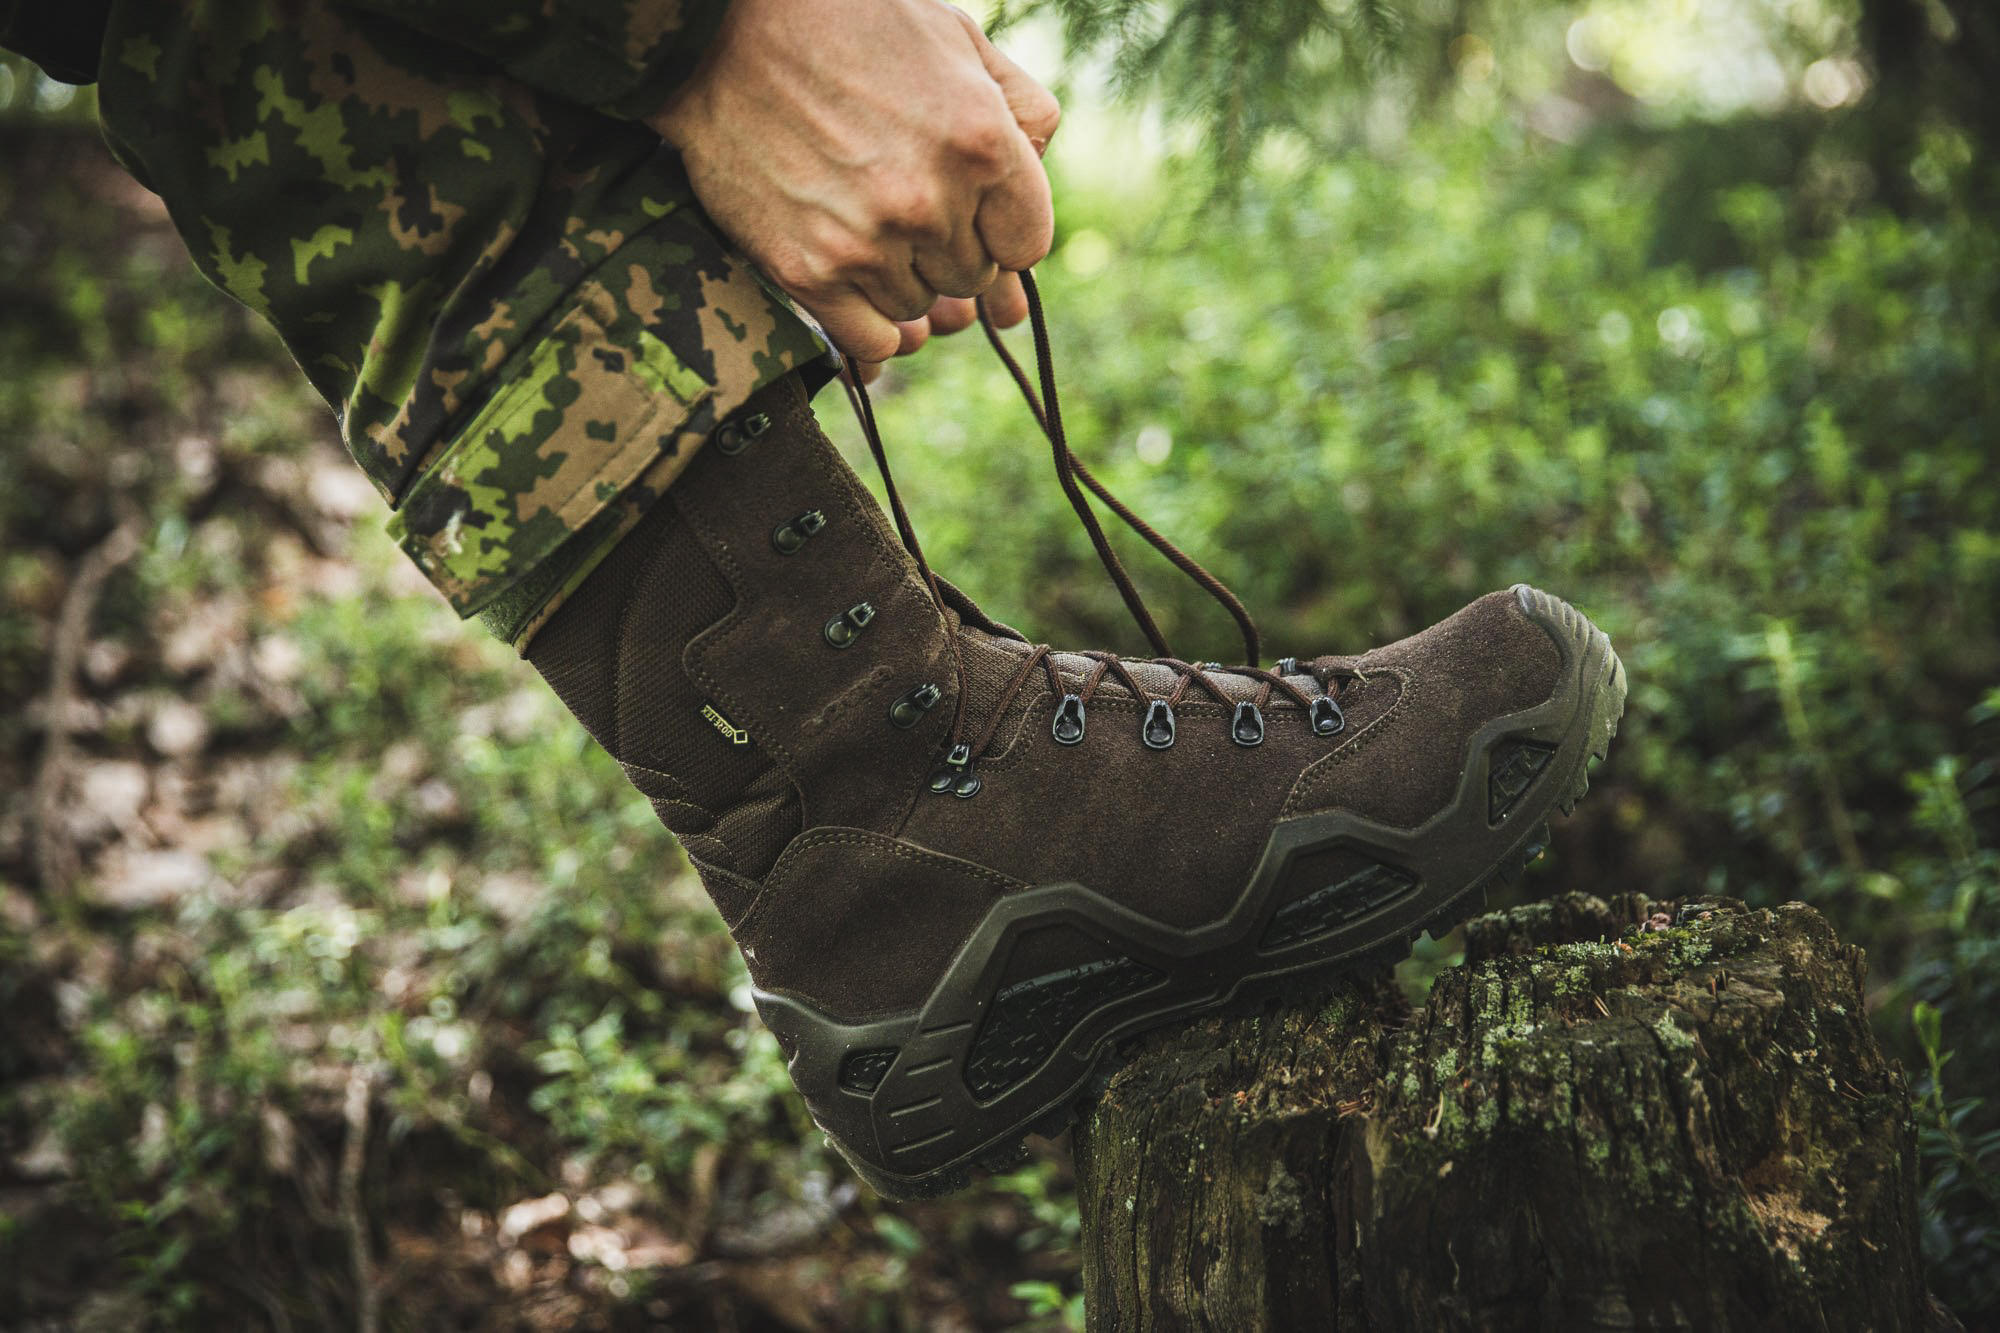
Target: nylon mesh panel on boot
x,y
756,826
577,651
614,652
660,724
989,664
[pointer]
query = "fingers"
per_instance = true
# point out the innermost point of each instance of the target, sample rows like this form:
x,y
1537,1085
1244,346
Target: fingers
x,y
888,313
916,332
897,293
1006,302
1017,218
857,328
953,314
1035,108
960,266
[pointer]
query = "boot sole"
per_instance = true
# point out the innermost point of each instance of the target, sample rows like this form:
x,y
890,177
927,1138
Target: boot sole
x,y
920,1101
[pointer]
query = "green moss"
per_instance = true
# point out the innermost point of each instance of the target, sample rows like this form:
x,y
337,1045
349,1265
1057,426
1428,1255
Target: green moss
x,y
1673,1037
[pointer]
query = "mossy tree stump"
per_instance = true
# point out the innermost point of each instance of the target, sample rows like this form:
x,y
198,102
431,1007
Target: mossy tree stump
x,y
1611,1116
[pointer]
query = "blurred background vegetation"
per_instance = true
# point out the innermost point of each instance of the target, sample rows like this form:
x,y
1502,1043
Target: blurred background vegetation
x,y
331,950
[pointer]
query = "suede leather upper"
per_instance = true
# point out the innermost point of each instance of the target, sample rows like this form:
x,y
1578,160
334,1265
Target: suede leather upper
x,y
1159,830
1485,662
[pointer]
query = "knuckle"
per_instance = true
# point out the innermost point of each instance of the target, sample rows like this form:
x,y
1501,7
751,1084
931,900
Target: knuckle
x,y
834,256
1047,113
845,259
906,206
984,143
965,283
792,271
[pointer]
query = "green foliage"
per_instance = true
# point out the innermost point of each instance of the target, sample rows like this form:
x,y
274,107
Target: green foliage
x,y
1962,1191
1325,75
1238,71
1046,1300
1697,378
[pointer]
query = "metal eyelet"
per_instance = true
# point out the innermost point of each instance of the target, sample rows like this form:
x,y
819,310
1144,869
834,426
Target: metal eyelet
x,y
1247,727
790,538
1327,719
955,774
733,437
1287,666
909,710
845,628
1158,729
1068,726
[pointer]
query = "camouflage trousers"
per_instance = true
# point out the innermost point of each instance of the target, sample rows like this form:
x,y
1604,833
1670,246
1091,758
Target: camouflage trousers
x,y
513,302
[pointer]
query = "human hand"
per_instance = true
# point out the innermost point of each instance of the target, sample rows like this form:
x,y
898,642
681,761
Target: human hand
x,y
879,159
1005,302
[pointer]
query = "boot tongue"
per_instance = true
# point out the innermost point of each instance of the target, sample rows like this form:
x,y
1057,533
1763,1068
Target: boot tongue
x,y
992,660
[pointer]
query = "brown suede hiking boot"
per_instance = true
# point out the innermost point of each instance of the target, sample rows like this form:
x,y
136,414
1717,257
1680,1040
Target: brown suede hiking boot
x,y
961,865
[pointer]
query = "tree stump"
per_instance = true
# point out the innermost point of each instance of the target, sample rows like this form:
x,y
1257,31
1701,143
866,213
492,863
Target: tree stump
x,y
1611,1116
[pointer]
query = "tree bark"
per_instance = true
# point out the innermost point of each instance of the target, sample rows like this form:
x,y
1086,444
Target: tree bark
x,y
1611,1116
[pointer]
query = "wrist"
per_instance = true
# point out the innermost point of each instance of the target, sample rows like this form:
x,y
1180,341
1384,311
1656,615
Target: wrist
x,y
685,104
675,119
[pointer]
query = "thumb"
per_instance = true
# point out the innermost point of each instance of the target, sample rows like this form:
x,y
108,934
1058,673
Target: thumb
x,y
1035,108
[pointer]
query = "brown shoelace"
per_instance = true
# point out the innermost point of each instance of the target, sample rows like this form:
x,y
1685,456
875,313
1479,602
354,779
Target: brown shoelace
x,y
1157,731
1066,460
